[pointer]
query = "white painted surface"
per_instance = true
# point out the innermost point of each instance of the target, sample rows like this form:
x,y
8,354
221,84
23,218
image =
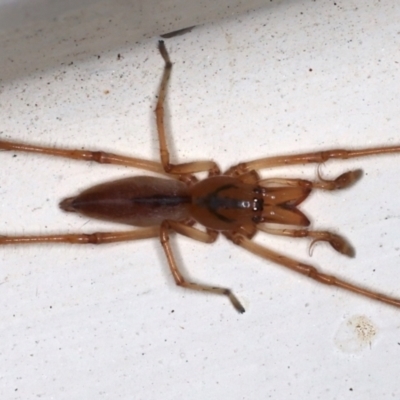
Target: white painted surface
x,y
108,322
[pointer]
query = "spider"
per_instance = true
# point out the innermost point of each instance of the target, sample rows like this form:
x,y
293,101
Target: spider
x,y
236,203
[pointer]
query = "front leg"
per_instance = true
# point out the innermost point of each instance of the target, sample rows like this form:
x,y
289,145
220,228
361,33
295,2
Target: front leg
x,y
317,157
308,270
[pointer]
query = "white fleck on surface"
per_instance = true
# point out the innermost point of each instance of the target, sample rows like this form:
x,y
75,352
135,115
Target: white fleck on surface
x,y
355,334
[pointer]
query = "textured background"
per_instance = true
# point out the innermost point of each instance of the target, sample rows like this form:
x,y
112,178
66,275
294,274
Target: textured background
x,y
108,322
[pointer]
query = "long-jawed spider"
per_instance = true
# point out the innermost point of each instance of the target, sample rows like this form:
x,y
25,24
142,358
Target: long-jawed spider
x,y
236,203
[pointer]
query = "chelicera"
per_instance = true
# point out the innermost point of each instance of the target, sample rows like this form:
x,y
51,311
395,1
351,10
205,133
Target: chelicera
x,y
236,203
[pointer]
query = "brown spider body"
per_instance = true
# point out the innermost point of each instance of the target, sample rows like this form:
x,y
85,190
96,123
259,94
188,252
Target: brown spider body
x,y
219,203
236,204
139,201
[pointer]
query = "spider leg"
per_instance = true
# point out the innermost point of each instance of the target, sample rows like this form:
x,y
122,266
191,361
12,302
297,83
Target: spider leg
x,y
341,182
205,237
308,270
340,244
83,238
85,155
177,169
308,158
